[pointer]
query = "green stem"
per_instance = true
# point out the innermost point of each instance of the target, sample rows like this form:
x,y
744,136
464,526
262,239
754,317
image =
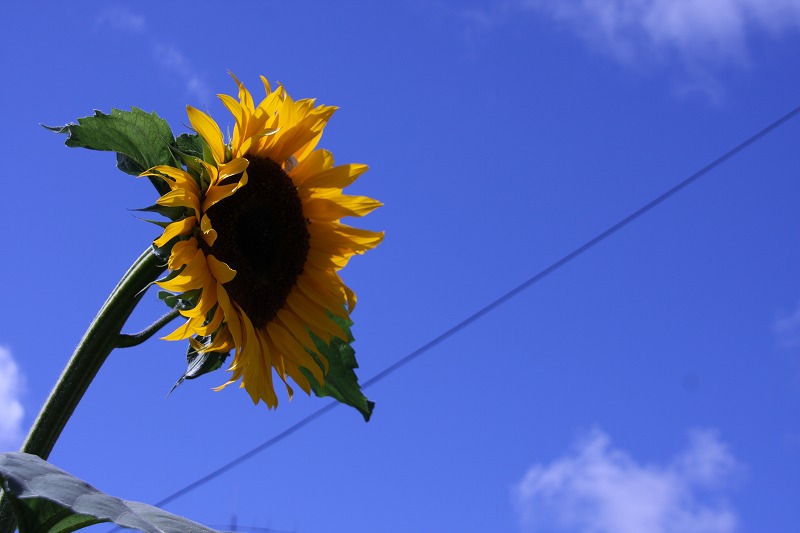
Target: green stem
x,y
98,341
135,339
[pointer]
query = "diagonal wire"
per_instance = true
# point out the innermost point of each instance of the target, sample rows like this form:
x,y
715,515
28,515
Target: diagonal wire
x,y
489,307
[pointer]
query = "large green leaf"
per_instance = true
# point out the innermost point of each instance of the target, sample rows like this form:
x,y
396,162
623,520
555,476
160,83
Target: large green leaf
x,y
141,140
341,381
48,500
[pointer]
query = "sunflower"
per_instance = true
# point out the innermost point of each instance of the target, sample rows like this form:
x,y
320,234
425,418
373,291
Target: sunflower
x,y
259,243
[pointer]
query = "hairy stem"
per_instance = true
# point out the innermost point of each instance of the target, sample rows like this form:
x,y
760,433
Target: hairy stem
x,y
126,341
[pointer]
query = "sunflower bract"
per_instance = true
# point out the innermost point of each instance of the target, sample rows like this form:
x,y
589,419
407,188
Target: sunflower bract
x,y
262,240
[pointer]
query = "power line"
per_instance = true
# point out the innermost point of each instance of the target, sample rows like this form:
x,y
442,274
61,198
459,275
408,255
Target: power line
x,y
235,526
489,307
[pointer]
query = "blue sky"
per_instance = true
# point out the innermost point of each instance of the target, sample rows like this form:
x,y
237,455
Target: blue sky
x,y
652,384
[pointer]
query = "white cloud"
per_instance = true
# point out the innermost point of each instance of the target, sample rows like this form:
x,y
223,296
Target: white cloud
x,y
170,58
600,489
787,327
166,55
694,39
121,18
695,31
11,411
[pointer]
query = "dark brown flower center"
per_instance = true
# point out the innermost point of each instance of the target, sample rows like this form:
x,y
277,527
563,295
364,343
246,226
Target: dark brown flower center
x,y
263,235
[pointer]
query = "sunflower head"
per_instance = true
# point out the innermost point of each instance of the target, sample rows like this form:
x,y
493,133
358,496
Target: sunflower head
x,y
256,241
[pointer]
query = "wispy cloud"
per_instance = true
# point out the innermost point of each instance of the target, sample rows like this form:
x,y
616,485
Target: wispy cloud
x,y
600,489
708,31
11,411
121,18
169,57
166,55
694,39
787,328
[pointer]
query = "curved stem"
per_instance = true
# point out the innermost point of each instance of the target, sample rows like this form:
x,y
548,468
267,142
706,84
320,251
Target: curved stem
x,y
126,341
98,341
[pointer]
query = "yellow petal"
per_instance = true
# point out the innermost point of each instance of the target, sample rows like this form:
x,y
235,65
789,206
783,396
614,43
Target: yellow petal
x,y
236,166
299,136
209,233
180,198
179,178
314,316
295,326
219,192
180,227
212,326
221,271
343,240
292,324
182,253
222,342
262,376
323,113
182,332
278,362
294,371
207,300
330,296
337,177
290,348
244,95
351,298
265,114
329,209
193,276
325,261
267,87
231,317
239,114
209,131
316,162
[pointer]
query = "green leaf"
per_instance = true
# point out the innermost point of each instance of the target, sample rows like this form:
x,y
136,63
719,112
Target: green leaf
x,y
48,500
164,252
190,144
141,140
198,364
182,301
46,516
341,381
170,212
